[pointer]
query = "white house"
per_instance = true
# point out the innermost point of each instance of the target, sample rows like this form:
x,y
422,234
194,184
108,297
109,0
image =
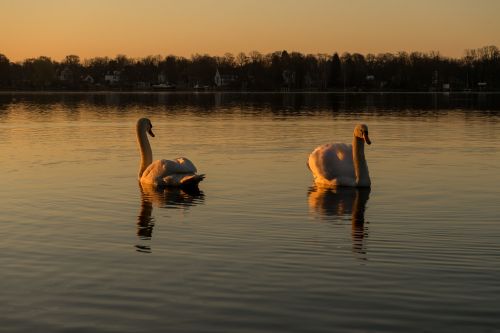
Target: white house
x,y
112,78
224,79
88,79
162,77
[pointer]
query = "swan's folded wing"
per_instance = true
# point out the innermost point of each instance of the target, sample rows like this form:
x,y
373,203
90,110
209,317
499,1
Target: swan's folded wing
x,y
331,161
182,179
184,165
163,168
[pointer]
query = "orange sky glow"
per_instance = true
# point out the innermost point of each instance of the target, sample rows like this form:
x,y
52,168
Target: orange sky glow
x,y
91,28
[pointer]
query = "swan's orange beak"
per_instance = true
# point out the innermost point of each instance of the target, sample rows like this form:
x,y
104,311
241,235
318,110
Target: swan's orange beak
x,y
150,131
367,139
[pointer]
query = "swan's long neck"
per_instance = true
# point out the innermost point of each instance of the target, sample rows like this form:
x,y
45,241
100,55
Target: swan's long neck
x,y
146,152
360,165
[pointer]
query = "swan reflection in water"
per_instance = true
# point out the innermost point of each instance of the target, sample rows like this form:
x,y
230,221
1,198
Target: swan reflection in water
x,y
337,204
169,197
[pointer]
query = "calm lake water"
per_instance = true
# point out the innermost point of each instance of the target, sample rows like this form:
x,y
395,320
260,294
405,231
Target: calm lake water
x,y
259,249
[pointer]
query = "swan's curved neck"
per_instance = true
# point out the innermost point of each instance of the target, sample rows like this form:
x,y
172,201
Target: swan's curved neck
x,y
146,152
360,165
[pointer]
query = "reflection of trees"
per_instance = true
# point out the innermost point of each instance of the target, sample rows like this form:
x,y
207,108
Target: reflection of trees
x,y
164,198
285,104
342,202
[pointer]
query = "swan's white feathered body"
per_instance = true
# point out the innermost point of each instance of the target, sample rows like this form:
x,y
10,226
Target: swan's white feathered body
x,y
178,172
341,164
169,172
332,165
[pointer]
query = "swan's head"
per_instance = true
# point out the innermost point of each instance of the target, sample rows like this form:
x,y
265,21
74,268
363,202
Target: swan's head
x,y
144,125
361,131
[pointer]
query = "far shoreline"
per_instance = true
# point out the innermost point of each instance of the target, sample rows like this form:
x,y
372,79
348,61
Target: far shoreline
x,y
208,92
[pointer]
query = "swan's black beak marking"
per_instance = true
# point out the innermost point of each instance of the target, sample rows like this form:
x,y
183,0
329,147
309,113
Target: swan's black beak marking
x,y
367,139
150,131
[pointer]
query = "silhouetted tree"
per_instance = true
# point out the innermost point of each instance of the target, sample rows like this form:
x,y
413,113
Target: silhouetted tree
x,y
203,67
241,60
478,68
334,80
169,68
4,71
72,69
297,64
147,69
40,72
258,77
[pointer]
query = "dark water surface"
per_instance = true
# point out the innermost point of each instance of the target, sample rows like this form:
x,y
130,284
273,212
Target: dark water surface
x,y
259,249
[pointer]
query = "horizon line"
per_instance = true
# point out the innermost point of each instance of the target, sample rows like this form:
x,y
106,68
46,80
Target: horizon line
x,y
163,56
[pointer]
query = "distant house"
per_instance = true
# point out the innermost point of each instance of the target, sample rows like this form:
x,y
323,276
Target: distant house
x,y
309,81
66,74
288,77
142,85
224,80
112,78
88,79
162,78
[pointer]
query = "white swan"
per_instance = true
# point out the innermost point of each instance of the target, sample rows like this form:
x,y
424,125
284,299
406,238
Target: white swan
x,y
176,173
340,164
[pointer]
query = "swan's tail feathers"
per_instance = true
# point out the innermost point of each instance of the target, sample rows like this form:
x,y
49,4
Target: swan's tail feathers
x,y
192,180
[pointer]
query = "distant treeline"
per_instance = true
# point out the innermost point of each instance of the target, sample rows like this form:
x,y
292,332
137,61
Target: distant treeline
x,y
478,69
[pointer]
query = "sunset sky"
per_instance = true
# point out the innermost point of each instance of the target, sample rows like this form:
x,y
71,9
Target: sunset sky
x,y
137,28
